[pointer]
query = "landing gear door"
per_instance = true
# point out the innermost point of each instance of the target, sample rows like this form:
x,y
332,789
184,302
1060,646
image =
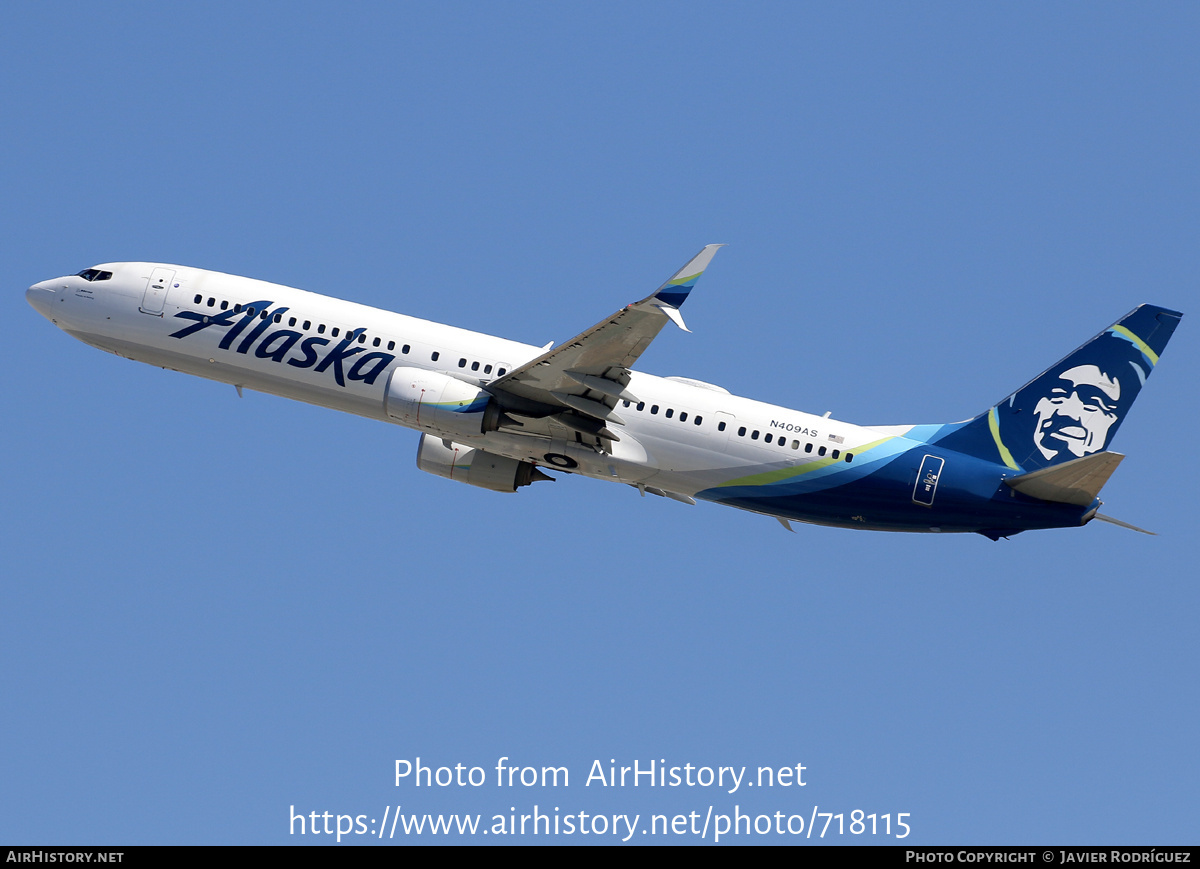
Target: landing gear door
x,y
156,291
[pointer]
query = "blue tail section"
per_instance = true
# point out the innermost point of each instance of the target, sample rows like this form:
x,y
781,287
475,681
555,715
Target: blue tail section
x,y
1073,408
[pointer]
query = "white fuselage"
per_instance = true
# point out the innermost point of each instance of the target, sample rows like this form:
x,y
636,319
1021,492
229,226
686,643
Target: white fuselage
x,y
686,437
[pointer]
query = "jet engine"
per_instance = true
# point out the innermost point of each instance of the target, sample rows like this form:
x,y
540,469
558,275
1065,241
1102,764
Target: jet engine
x,y
475,467
433,402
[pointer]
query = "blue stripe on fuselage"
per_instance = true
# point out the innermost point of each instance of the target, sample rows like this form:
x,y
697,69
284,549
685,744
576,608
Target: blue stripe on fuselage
x,y
971,496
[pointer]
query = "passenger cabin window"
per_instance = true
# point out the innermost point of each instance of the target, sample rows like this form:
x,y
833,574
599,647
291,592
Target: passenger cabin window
x,y
434,356
224,305
698,420
462,363
670,412
474,366
720,425
197,300
654,408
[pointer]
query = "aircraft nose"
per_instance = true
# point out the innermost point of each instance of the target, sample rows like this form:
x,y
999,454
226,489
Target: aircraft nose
x,y
40,296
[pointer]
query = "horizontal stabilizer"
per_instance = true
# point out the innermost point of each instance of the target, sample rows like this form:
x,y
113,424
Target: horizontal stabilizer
x,y
1077,482
1113,521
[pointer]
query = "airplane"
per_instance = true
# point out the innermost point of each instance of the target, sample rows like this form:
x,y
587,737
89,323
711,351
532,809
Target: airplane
x,y
498,414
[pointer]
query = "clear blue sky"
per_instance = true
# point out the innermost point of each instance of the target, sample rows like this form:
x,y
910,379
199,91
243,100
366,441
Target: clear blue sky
x,y
215,609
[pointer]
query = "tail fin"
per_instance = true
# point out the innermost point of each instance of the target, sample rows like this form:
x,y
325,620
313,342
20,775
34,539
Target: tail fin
x,y
1073,408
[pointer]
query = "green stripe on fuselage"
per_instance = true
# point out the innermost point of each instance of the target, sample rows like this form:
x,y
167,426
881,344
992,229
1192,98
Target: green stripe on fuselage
x,y
767,478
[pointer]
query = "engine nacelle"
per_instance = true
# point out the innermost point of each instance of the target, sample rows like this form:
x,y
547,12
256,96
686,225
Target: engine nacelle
x,y
475,467
434,402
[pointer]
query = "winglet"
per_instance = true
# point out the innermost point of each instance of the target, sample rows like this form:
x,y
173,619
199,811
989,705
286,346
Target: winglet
x,y
675,291
674,316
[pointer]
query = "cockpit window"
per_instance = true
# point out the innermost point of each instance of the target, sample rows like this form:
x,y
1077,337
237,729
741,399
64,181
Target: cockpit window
x,y
95,275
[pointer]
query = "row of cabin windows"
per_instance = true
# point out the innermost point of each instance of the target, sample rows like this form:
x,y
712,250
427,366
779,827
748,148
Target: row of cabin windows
x,y
669,413
335,331
487,369
754,435
808,447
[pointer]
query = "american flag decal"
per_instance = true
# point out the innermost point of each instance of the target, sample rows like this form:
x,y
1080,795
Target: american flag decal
x,y
837,439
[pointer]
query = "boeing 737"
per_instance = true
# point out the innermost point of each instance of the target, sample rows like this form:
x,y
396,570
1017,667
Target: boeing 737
x,y
497,414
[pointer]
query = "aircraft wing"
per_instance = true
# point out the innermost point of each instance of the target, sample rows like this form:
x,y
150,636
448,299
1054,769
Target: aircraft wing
x,y
579,382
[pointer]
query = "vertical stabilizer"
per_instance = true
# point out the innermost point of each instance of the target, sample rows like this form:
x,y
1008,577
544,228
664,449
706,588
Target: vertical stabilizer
x,y
1072,409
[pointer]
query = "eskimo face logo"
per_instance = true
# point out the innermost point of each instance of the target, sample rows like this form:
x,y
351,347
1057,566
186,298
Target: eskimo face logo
x,y
1078,412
